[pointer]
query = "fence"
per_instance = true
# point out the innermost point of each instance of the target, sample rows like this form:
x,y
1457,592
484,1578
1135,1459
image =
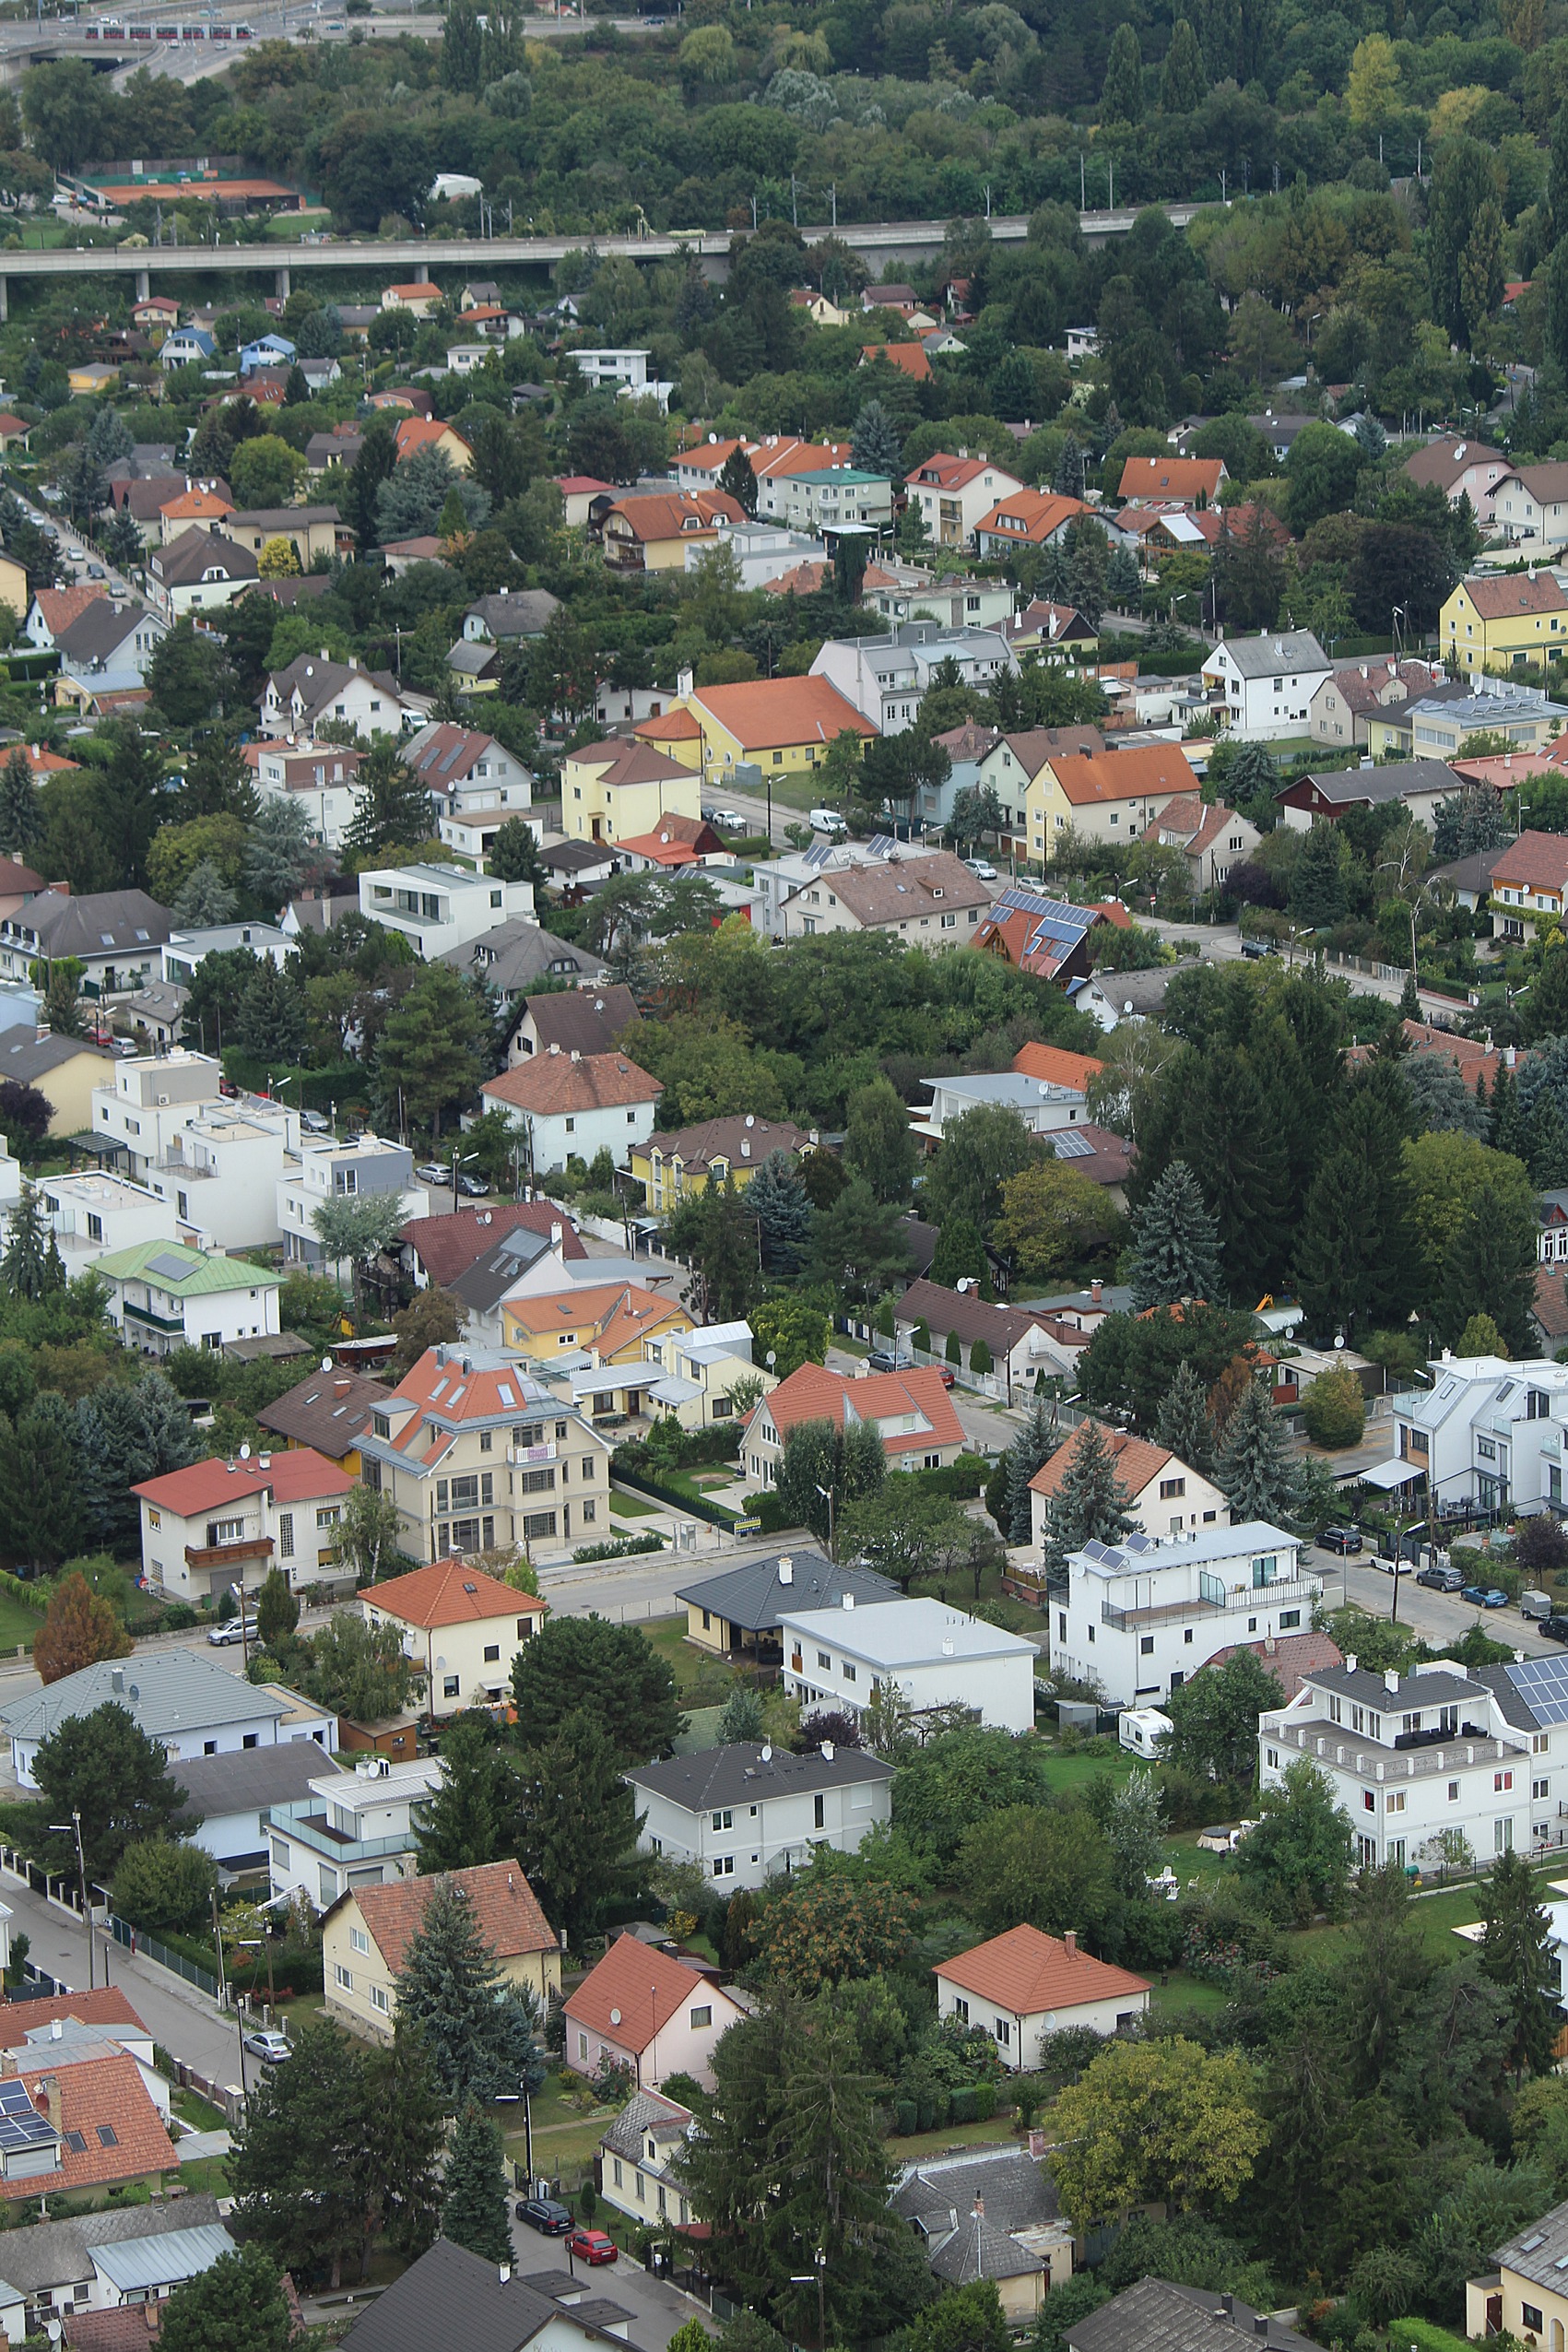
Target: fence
x,y
148,1947
675,1498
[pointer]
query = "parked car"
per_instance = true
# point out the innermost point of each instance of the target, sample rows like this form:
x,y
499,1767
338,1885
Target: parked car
x,y
946,1374
272,2047
726,820
827,820
885,1359
545,2215
237,1629
592,2246
1442,1579
1555,1628
982,872
1254,949
475,1186
434,1172
1484,1596
315,1122
1341,1539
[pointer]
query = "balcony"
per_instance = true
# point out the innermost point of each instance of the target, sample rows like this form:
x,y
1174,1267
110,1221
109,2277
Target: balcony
x,y
1283,1593
314,1831
220,1555
171,1326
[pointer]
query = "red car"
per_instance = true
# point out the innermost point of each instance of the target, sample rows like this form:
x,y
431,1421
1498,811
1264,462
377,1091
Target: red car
x,y
946,1376
592,2246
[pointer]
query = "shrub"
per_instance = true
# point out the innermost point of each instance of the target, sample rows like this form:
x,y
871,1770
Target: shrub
x,y
922,1338
980,1357
984,2096
1420,2336
621,1548
179,1617
952,1350
963,2108
906,2117
1334,1409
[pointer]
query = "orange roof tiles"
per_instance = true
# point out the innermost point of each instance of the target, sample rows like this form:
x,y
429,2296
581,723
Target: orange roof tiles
x,y
1140,772
670,726
771,713
107,2006
633,1992
627,762
417,289
1030,1973
1057,1066
941,470
97,2096
1535,861
813,1393
1030,517
1172,478
196,507
1516,592
910,358
1137,1461
605,1315
57,608
449,1592
293,1476
503,1905
424,432
550,1084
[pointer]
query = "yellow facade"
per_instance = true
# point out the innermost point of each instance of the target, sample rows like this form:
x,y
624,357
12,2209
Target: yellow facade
x,y
1471,642
368,2003
615,1338
14,591
594,807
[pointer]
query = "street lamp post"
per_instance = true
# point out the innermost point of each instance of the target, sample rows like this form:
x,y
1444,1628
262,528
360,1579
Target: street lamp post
x,y
73,1828
827,1494
816,2276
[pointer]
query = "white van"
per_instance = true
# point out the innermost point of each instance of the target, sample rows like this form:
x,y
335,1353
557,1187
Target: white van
x,y
827,820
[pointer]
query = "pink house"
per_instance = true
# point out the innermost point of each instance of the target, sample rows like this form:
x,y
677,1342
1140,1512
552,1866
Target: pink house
x,y
640,2008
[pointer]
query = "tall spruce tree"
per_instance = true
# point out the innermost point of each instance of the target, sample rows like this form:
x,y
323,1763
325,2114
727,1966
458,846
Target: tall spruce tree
x,y
1517,1953
394,808
1182,83
1354,1262
1252,1472
272,1013
1033,1447
1317,884
22,820
777,1198
1491,1269
30,1265
1184,1423
1176,1243
1091,1504
474,2209
1227,1132
477,2027
875,442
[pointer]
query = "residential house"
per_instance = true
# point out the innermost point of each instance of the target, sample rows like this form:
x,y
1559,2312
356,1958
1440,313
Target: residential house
x,y
446,1249
932,901
838,1659
450,2293
1022,1985
311,531
340,446
66,1070
319,779
164,1295
516,955
314,688
746,1814
1010,764
365,1938
571,1105
439,908
580,493
462,1627
55,2275
197,572
776,880
221,1523
328,1412
474,1453
220,1171
1046,1104
737,1613
1165,1495
321,1170
619,790
1057,631
1339,709
1147,481
605,1323
643,2009
1419,1762
679,845
1439,724
97,1211
1530,878
1472,1439
510,617
672,1167
415,434
909,592
144,496
1027,518
1041,934
79,2128
1290,1658
1505,621
699,1371
1421,784
988,2214
186,347
1530,506
1263,687
1106,796
107,649
831,498
14,433
1140,1617
651,531
15,593
1211,837
53,610
352,1830
952,493
639,2166
885,676
584,1021
227,1798
140,1104
92,379
1154,2316
618,366
908,359
910,1411
418,295
1527,2295
198,506
268,352
181,1698
1461,469
1017,1339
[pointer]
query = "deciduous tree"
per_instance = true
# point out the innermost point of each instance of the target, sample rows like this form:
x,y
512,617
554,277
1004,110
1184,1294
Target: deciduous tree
x,y
80,1627
1155,2123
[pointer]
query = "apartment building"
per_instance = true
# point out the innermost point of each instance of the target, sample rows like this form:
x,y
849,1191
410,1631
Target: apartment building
x,y
1487,1434
953,493
95,1214
149,1100
474,1453
365,1165
884,678
1141,1616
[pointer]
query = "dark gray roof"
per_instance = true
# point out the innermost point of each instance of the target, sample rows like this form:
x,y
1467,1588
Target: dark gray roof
x,y
26,1057
1516,1708
248,1779
1534,2253
1416,1690
117,922
490,1277
587,1020
1470,874
645,2112
978,2249
745,1772
1018,2194
99,631
1153,2316
51,2254
1348,787
516,953
179,1690
516,613
755,1597
574,857
1291,649
1145,991
196,552
451,2296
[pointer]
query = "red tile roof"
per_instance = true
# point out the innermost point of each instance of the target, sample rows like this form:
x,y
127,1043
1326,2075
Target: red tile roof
x,y
503,1906
1142,772
1057,1066
1290,1658
449,1247
627,762
1535,861
1138,1462
107,2006
910,358
424,432
1030,517
633,1992
449,1592
943,471
1497,599
1172,478
552,1083
813,1393
771,714
294,1476
98,2094
58,608
1028,1972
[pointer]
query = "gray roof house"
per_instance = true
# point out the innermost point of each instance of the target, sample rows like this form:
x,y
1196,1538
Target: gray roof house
x,y
747,1813
993,2214
115,933
227,1794
451,2297
194,1706
516,953
741,1609
110,644
1154,2316
52,2263
509,615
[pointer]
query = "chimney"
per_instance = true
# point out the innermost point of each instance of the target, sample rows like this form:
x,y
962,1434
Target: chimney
x,y
849,1600
576,1055
827,1751
505,2273
1096,1291
56,2028
49,2089
979,2208
117,1678
1069,1944
557,1236
1390,1680
1350,1661
786,1571
554,1048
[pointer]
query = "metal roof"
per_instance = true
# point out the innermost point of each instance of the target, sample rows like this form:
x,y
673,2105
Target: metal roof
x,y
180,1691
141,2263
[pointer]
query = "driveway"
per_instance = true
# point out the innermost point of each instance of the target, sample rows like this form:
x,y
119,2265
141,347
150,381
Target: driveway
x,y
657,2308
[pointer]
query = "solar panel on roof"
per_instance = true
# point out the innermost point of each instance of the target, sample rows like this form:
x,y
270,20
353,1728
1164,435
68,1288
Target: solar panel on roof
x,y
1137,1543
881,844
819,853
173,1269
1542,1683
1095,1550
1071,1145
21,2126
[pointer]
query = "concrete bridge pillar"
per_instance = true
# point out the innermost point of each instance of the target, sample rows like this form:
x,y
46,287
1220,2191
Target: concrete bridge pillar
x,y
144,284
283,288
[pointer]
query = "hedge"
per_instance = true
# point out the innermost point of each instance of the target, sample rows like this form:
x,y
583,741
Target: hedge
x,y
674,1498
622,1550
1420,2336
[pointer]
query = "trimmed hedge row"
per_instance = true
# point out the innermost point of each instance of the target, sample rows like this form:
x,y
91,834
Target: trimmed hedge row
x,y
934,2111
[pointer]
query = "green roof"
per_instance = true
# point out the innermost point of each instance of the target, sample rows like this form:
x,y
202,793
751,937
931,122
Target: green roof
x,y
186,1273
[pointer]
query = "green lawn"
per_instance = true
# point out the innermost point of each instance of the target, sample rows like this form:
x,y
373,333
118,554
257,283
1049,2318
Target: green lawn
x,y
1182,1992
199,2112
1071,1768
996,2128
19,1623
682,1481
211,2173
694,1670
631,1507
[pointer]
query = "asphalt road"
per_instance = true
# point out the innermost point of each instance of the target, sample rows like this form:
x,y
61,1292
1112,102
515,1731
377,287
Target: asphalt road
x,y
657,2308
1221,943
1436,1616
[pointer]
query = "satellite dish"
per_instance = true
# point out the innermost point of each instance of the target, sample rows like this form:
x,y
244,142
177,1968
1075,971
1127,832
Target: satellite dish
x,y
245,1453
327,1363
615,2016
767,1751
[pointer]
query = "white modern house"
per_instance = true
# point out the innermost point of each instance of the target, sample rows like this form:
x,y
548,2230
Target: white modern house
x,y
227,1798
1419,1763
1266,684
320,778
698,1372
885,676
164,1295
1487,1432
221,1172
437,908
150,1099
186,1702
184,951
93,1214
363,1166
1044,1105
840,1658
1141,1616
352,1829
747,1813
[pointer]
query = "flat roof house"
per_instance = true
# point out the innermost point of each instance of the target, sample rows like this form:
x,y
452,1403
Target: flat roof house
x,y
749,1812
350,1829
1024,1985
1141,1616
938,1657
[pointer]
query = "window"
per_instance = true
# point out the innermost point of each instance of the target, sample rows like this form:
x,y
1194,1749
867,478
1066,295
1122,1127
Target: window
x,y
1531,2315
824,1660
1288,1618
724,1866
449,1686
1003,2032
285,1534
581,2045
344,1981
1501,1780
1146,1645
1369,1803
817,1821
849,1672
358,1940
381,1999
1170,1487
961,2010
492,1653
107,2136
1453,1792
1539,1787
1394,1801
724,1820
701,2017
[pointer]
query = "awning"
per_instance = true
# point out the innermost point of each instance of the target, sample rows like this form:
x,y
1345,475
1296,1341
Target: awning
x,y
1391,1473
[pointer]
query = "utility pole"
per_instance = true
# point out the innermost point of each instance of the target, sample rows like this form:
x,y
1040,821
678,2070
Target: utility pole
x,y
73,1827
1082,193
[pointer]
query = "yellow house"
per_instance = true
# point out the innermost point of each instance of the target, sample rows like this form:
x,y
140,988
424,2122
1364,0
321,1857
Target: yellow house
x,y
1527,2296
616,791
14,589
466,1628
432,433
672,1167
694,1375
310,530
1105,795
91,378
65,1071
781,724
365,1933
608,1321
653,531
675,733
1504,623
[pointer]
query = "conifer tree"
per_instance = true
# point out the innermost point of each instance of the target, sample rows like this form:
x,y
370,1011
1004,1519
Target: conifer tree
x,y
1252,1472
1176,1247
22,820
777,1198
392,809
31,1266
875,443
1091,1504
1183,84
1030,1451
204,898
1121,98
737,480
1184,1423
1491,1269
959,1253
1353,1261
272,1013
1409,1002
473,2212
1318,885
477,2027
